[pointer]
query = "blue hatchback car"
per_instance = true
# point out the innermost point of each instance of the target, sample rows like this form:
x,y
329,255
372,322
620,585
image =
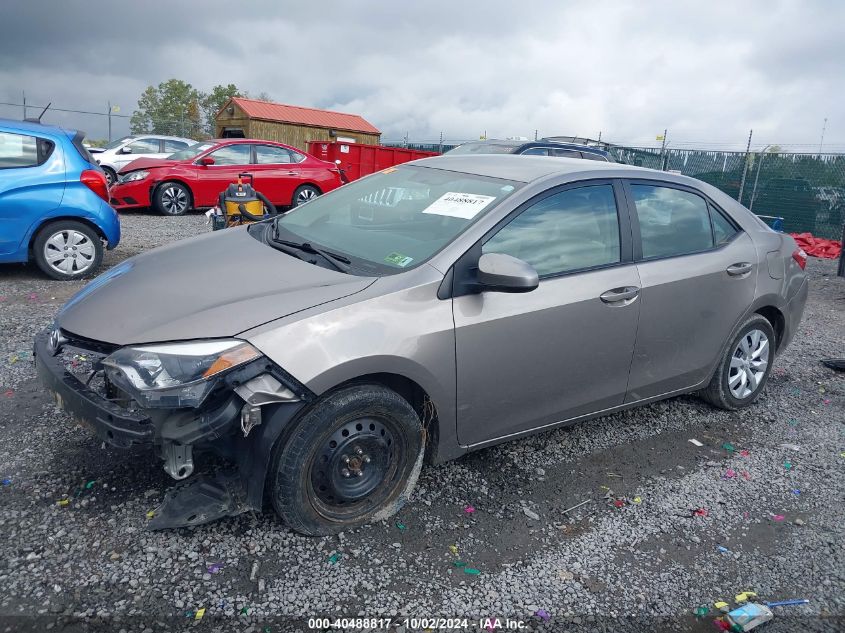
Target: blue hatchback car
x,y
53,201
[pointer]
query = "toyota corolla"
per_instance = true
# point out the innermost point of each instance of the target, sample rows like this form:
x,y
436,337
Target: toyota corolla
x,y
428,310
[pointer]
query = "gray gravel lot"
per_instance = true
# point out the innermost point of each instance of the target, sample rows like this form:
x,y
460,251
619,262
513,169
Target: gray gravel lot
x,y
769,480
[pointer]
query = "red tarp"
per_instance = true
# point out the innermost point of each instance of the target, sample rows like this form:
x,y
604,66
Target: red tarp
x,y
817,246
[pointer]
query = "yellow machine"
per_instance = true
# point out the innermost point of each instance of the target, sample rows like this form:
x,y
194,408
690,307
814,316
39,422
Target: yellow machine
x,y
240,204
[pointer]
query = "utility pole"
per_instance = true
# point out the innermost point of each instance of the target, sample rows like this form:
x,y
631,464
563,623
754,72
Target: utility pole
x,y
599,139
535,134
745,167
821,141
440,147
663,149
23,94
109,103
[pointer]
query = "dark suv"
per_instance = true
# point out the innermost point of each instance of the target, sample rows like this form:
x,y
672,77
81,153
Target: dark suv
x,y
542,147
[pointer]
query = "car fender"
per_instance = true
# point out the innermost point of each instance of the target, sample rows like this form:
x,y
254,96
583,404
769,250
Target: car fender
x,y
108,228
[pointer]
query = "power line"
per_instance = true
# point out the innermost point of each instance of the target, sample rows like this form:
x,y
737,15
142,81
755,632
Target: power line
x,y
30,105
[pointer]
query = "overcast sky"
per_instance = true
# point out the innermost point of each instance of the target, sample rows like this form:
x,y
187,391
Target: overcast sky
x,y
707,71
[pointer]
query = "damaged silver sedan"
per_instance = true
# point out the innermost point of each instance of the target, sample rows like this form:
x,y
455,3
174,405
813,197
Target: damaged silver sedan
x,y
428,310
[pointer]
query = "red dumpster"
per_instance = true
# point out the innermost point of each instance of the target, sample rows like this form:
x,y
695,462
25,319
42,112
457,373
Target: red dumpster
x,y
359,160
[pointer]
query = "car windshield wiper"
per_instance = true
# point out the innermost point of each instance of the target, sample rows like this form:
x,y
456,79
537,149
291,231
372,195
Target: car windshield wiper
x,y
337,260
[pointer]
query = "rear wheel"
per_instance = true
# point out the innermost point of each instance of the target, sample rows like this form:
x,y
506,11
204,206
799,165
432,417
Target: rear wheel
x,y
304,194
352,458
172,198
67,250
741,376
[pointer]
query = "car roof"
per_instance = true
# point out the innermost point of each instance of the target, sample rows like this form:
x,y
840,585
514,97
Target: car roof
x,y
543,142
30,126
523,168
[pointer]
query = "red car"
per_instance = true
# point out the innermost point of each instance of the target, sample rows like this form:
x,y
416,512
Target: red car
x,y
194,177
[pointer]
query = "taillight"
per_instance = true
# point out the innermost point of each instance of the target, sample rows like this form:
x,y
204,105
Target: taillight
x,y
96,182
800,257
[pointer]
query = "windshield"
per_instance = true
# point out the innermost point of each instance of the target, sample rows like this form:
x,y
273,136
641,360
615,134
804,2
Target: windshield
x,y
191,151
118,142
396,219
484,148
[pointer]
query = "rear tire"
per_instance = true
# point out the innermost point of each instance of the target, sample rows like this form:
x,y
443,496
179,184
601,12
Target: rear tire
x,y
353,458
745,367
172,198
67,250
304,194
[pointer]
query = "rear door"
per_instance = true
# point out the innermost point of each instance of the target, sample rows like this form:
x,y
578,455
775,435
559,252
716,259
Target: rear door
x,y
276,172
563,350
698,273
229,162
32,183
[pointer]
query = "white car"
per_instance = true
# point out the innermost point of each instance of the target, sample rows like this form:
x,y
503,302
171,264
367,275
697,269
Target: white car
x,y
124,150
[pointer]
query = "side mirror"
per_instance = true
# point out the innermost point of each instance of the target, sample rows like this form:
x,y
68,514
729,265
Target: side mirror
x,y
206,160
502,273
126,150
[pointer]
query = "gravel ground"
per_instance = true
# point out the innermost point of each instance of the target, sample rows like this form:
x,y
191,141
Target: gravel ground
x,y
767,482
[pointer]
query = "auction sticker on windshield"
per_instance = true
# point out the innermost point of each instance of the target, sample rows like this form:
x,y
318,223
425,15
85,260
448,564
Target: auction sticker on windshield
x,y
398,259
459,205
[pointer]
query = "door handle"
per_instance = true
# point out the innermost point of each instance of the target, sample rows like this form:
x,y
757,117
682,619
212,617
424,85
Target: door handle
x,y
293,173
616,295
737,270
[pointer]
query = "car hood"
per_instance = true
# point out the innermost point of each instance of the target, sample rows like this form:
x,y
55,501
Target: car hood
x,y
216,285
149,163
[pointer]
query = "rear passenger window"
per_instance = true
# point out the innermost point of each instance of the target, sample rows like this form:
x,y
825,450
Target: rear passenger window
x,y
565,153
672,221
536,151
171,147
18,150
723,230
570,230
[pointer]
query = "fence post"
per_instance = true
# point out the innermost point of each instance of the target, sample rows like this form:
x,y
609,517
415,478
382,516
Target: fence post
x,y
757,177
744,167
841,270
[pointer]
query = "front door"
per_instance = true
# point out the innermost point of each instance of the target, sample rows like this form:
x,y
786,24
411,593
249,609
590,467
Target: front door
x,y
563,350
212,180
698,273
141,148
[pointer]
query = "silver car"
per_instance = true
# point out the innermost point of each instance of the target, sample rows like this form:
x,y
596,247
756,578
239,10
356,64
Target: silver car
x,y
123,151
425,311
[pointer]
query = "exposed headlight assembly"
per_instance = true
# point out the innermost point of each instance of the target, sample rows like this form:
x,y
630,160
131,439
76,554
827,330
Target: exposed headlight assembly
x,y
134,175
175,375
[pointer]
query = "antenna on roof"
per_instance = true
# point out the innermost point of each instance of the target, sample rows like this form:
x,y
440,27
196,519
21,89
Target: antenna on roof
x,y
38,120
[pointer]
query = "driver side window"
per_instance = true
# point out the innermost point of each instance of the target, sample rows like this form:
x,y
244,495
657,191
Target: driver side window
x,y
570,230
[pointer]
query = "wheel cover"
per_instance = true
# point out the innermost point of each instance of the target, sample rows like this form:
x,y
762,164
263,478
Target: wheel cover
x,y
110,177
749,362
305,195
352,471
69,252
174,199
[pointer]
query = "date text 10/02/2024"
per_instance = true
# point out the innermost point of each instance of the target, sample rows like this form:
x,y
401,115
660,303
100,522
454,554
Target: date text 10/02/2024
x,y
419,624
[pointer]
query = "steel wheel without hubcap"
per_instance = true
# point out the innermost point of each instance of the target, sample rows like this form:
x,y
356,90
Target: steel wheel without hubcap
x,y
352,465
174,200
748,365
69,252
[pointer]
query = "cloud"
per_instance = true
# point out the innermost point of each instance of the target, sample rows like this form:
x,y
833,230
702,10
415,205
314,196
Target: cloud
x,y
629,69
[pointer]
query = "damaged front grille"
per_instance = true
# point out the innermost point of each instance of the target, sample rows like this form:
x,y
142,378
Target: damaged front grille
x,y
84,360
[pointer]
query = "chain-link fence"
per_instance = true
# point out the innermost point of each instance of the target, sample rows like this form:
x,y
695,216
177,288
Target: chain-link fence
x,y
806,190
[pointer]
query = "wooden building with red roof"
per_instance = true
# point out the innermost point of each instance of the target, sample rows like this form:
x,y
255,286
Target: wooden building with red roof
x,y
292,125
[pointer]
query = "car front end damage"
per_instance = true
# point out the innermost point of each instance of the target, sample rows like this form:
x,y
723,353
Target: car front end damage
x,y
209,396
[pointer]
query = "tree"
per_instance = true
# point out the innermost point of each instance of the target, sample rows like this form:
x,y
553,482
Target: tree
x,y
213,101
171,108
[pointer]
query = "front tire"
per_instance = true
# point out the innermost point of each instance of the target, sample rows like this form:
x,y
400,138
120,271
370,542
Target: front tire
x,y
744,370
67,250
354,457
111,176
172,198
304,194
